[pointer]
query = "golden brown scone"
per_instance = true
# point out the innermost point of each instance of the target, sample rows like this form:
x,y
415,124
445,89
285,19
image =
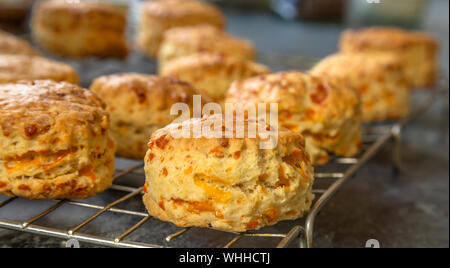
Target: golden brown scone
x,y
417,50
139,104
182,41
327,114
10,44
14,68
226,183
377,76
156,17
54,141
212,74
80,28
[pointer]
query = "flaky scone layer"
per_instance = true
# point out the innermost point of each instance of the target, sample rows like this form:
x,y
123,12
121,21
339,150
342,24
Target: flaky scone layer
x,y
54,141
226,183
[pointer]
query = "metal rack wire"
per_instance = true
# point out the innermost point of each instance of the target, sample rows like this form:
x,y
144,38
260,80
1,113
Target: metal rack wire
x,y
327,184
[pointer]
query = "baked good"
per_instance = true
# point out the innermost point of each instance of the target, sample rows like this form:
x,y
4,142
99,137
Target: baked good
x,y
327,113
226,183
14,68
417,50
14,10
139,104
156,17
212,74
54,141
377,76
10,44
80,28
182,41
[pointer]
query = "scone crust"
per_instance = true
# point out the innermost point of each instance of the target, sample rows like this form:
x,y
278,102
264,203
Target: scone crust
x,y
418,50
10,44
54,141
14,68
378,77
182,41
80,28
327,113
212,74
139,104
158,16
228,184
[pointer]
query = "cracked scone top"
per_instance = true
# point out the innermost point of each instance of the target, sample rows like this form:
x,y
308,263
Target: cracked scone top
x,y
378,77
10,44
417,50
156,17
226,183
54,141
138,105
327,114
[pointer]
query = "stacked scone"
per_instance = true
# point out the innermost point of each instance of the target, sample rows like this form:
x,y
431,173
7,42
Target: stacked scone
x,y
54,141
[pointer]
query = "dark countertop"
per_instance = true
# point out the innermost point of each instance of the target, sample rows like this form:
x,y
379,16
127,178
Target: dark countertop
x,y
410,209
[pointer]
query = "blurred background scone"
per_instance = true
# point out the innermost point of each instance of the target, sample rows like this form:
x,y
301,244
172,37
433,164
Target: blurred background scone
x,y
378,77
158,16
228,184
10,44
139,104
80,28
54,141
14,68
417,50
327,114
182,41
212,74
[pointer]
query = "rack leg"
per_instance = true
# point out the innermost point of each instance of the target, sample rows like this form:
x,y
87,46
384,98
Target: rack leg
x,y
397,152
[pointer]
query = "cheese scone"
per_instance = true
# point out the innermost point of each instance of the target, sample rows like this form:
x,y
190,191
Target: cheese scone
x,y
10,44
417,50
55,141
328,114
139,104
80,28
212,74
183,41
14,68
156,17
378,77
226,183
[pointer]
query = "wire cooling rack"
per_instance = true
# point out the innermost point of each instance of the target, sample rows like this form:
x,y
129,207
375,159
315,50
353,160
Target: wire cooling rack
x,y
117,217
